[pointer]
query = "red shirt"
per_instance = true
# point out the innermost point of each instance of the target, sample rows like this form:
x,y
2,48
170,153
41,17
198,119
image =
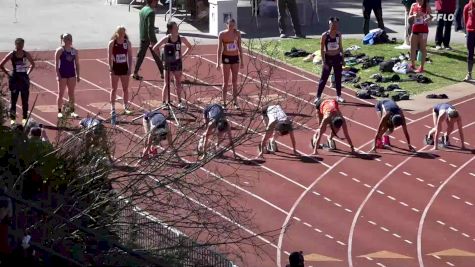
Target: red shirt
x,y
469,16
328,106
420,25
445,6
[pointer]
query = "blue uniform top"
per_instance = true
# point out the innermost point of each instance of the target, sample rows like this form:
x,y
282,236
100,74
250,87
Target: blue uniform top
x,y
442,106
214,112
90,122
389,105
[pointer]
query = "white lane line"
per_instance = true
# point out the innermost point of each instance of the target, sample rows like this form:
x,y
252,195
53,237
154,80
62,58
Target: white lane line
x,y
427,126
420,180
286,253
368,258
453,165
449,263
466,235
316,193
318,230
402,141
377,159
344,174
380,264
341,243
380,192
431,185
367,185
337,204
437,257
455,138
404,204
469,203
327,199
456,197
392,198
440,222
407,241
371,222
443,160
453,229
472,174
384,229
297,218
348,210
396,235
356,180
406,173
416,210
389,165
307,224
329,236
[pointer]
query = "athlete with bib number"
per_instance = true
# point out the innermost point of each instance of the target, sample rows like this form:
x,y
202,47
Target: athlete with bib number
x,y
120,66
421,15
230,55
175,68
19,81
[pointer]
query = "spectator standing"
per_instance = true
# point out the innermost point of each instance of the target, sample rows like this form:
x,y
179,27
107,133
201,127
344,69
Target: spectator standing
x,y
147,38
408,22
291,5
421,14
469,19
375,6
459,25
445,15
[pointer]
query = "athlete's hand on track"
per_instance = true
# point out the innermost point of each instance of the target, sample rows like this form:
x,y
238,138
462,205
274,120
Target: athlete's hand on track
x,y
78,79
412,149
218,66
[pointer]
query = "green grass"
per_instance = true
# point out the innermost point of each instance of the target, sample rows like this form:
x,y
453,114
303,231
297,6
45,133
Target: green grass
x,y
446,68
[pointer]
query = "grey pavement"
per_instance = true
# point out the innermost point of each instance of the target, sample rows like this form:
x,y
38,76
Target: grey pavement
x,y
92,22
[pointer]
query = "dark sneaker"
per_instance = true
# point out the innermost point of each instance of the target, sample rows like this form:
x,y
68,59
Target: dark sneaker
x,y
137,77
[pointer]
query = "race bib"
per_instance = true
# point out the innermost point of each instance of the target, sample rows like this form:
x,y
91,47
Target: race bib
x,y
121,58
231,47
333,46
21,66
419,21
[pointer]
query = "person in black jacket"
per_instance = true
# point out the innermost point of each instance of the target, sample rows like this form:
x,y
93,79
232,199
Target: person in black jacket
x,y
291,5
375,6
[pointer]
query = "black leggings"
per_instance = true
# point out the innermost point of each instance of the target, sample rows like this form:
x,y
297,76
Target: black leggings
x,y
336,63
470,48
19,84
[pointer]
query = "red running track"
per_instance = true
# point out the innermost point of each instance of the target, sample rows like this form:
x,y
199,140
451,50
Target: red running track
x,y
394,209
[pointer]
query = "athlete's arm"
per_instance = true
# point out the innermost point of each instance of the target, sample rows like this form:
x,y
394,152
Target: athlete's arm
x,y
321,130
32,63
381,129
148,145
231,143
57,57
188,46
347,136
110,55
341,50
156,48
269,131
220,48
438,127
206,136
292,139
76,62
4,61
240,49
406,133
130,60
459,124
322,47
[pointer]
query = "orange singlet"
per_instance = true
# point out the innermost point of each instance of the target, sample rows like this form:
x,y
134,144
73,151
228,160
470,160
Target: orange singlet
x,y
231,47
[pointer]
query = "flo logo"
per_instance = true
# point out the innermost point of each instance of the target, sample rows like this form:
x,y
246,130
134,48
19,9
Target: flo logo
x,y
444,17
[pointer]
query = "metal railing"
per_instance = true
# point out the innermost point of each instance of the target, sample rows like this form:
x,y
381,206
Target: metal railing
x,y
141,231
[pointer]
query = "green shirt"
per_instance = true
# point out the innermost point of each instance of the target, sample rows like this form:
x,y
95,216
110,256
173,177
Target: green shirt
x,y
147,24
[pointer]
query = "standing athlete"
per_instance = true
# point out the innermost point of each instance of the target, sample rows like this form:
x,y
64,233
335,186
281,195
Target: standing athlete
x,y
18,80
174,68
391,117
329,114
230,55
67,72
331,48
444,113
120,66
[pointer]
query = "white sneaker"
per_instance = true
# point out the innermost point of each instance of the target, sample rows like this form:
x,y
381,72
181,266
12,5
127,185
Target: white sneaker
x,y
339,99
60,115
74,115
23,122
12,122
438,47
128,112
468,77
181,105
317,99
448,48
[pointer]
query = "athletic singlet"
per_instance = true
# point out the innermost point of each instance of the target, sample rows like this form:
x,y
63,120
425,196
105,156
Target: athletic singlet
x,y
177,46
419,25
332,44
120,52
328,106
276,113
214,112
19,63
443,106
157,120
231,47
89,122
67,67
389,105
